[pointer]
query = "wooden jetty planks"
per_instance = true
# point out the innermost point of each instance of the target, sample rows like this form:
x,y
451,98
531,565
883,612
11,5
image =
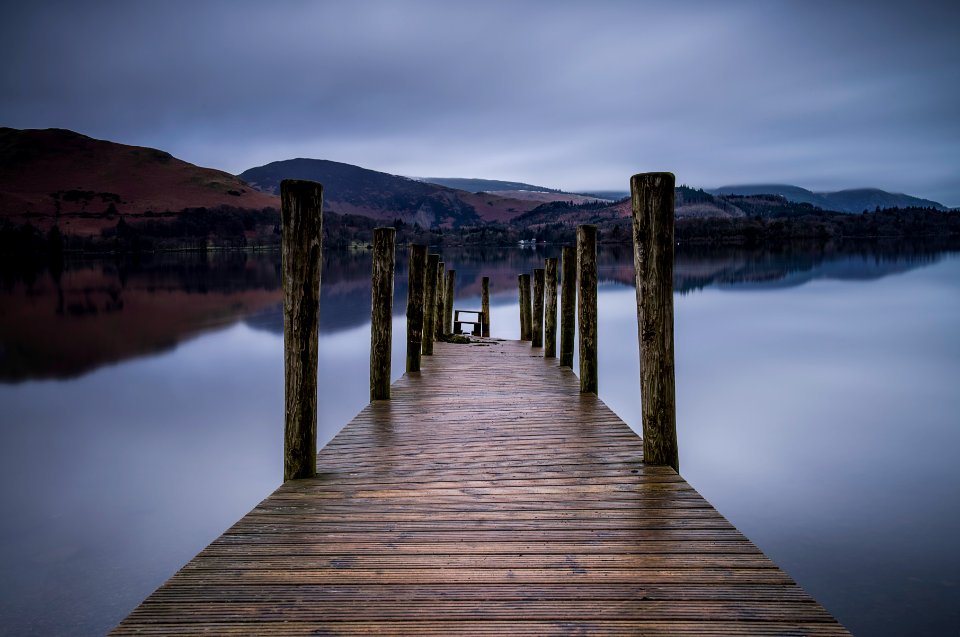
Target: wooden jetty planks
x,y
489,496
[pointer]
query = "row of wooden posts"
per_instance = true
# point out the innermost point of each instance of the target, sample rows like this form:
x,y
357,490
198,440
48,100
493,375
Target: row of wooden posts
x,y
430,295
430,312
578,295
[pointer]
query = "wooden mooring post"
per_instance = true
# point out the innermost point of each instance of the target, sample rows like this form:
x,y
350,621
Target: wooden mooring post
x,y
568,304
418,263
523,319
652,201
381,312
587,306
485,306
526,318
301,213
448,301
430,303
438,311
550,309
536,339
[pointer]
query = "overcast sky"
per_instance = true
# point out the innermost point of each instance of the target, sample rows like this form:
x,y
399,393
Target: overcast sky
x,y
573,95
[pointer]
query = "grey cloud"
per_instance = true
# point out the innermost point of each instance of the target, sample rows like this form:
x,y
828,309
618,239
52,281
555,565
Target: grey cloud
x,y
572,95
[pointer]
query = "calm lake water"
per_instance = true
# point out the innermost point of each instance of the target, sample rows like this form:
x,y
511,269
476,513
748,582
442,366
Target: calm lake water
x,y
141,408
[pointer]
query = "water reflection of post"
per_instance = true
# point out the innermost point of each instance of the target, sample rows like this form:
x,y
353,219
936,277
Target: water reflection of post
x,y
301,254
652,201
587,306
381,312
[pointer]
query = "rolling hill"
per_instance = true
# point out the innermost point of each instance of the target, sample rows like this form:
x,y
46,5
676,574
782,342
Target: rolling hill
x,y
349,189
853,200
483,185
53,175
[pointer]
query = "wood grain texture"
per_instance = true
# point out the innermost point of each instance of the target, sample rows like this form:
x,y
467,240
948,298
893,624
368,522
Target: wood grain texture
x,y
455,508
381,312
438,319
526,309
415,287
587,306
568,304
536,326
448,297
652,202
301,213
430,303
485,305
550,308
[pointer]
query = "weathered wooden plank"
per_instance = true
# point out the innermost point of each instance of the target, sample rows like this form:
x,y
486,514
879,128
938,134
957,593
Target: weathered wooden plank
x,y
516,626
455,509
458,609
186,592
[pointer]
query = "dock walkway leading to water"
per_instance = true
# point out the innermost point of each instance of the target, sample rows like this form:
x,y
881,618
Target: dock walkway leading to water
x,y
489,496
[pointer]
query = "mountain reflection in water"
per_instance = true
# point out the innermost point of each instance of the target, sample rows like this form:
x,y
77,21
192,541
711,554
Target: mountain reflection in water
x,y
64,322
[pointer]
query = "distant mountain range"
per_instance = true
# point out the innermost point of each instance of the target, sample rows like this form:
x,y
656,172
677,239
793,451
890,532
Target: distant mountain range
x,y
85,185
483,185
854,200
349,189
512,189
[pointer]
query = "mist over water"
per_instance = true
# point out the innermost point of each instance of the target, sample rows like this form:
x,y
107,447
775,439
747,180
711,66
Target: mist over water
x,y
142,408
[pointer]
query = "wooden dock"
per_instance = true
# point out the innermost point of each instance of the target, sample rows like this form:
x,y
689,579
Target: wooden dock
x,y
488,497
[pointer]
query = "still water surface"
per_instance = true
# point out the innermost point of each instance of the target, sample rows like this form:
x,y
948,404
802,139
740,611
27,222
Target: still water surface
x,y
141,408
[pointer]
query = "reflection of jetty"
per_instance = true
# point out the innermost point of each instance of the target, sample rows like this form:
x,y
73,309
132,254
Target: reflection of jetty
x,y
489,490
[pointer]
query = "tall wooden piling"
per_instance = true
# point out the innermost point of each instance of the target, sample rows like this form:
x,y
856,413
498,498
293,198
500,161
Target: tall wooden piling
x,y
587,306
568,304
550,309
652,200
381,312
301,212
430,303
526,312
448,295
523,318
438,316
418,263
485,306
536,339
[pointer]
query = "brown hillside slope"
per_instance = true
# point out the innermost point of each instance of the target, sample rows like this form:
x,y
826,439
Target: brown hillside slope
x,y
55,174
